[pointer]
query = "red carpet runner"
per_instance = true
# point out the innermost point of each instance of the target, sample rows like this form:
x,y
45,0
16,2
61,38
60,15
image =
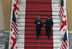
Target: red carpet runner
x,y
35,8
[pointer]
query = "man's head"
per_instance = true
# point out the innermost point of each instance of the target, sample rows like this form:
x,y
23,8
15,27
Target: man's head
x,y
48,16
38,17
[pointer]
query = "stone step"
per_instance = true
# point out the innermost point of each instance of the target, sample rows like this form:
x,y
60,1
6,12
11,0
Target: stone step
x,y
43,37
35,17
34,32
33,25
40,48
35,45
33,28
31,20
56,8
38,13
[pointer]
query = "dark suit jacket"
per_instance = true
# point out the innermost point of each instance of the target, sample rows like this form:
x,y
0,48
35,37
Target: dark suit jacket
x,y
38,26
48,23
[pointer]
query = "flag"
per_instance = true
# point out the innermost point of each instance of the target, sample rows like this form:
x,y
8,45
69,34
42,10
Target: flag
x,y
64,42
62,15
63,27
13,26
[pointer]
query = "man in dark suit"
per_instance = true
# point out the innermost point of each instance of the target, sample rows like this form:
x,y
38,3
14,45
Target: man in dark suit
x,y
49,24
38,23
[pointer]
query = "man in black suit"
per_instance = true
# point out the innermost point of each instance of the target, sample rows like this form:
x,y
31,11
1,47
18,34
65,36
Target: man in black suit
x,y
39,24
49,24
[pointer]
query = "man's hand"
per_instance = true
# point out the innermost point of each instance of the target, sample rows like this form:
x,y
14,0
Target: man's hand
x,y
38,22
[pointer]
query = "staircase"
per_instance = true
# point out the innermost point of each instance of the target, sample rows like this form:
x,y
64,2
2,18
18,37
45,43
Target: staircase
x,y
29,10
